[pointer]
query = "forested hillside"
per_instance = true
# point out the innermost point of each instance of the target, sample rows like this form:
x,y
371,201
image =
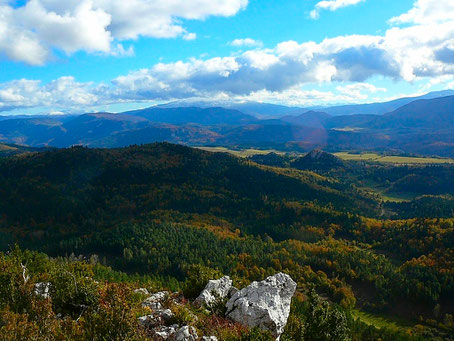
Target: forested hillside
x,y
167,212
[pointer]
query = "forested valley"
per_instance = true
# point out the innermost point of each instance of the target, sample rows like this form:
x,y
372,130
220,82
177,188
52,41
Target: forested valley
x,y
171,217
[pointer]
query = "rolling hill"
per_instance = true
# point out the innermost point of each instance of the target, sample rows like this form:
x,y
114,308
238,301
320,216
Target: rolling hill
x,y
79,189
424,126
380,108
312,119
194,115
166,211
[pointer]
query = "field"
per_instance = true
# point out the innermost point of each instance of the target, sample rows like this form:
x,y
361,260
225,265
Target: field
x,y
369,157
380,321
240,152
4,147
402,160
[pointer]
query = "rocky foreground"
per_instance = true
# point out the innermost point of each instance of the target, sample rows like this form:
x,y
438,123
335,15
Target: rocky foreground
x,y
264,305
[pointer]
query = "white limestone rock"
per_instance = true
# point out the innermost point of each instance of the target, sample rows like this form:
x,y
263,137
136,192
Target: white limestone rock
x,y
142,291
42,289
164,332
214,290
209,338
264,304
154,302
186,333
159,317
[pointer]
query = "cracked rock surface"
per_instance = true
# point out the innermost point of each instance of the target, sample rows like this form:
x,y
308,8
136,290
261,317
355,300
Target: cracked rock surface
x,y
264,304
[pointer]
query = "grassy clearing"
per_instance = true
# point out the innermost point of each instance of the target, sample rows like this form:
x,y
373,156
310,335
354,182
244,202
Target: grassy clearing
x,y
240,153
4,147
401,160
381,321
388,197
369,157
378,189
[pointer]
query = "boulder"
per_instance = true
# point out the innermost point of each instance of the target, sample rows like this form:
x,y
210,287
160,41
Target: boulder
x,y
209,338
159,317
265,304
186,333
164,332
42,289
215,290
142,291
154,302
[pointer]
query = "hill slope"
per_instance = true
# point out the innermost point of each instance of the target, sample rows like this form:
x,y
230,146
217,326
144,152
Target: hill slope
x,y
80,189
195,115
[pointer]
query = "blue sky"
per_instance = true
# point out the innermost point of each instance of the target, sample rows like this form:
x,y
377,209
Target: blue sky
x,y
78,56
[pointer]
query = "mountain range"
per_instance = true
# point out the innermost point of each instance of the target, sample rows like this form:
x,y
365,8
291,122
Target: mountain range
x,y
423,126
267,110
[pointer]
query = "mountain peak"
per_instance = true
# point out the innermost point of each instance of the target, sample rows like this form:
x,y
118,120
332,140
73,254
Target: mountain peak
x,y
318,159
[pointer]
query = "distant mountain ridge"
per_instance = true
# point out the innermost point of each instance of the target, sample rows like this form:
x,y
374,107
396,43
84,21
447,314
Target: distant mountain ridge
x,y
380,108
314,119
256,109
424,126
267,110
196,115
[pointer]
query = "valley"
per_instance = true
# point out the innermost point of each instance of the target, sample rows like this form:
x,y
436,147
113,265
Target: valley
x,y
226,170
156,212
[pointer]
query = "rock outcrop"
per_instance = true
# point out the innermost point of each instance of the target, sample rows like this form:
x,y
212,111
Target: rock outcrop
x,y
155,301
157,318
164,332
142,291
175,333
216,290
186,333
264,304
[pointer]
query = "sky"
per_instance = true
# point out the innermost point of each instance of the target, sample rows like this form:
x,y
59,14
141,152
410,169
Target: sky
x,y
78,56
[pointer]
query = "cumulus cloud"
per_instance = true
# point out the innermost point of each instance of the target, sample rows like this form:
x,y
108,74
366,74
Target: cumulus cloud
x,y
28,33
63,92
359,90
331,5
411,52
190,36
289,64
427,12
248,42
299,97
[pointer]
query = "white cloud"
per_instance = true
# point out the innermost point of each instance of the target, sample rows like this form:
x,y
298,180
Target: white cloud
x,y
413,52
331,5
359,90
427,11
441,80
298,97
249,42
63,92
29,33
17,43
190,36
118,50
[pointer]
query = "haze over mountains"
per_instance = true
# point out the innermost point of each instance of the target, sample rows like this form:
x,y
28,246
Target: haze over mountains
x,y
422,126
267,110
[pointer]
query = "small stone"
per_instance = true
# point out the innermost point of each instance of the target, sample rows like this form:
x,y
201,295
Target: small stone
x,y
142,291
42,289
164,333
158,317
154,302
209,338
186,333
